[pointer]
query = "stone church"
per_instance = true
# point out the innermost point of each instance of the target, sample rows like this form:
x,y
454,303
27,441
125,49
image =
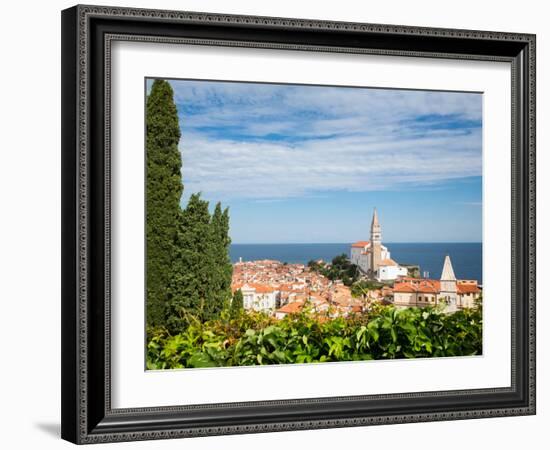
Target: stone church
x,y
373,258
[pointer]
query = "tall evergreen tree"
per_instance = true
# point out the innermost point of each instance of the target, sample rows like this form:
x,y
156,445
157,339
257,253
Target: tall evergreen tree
x,y
164,188
200,286
221,278
237,304
191,285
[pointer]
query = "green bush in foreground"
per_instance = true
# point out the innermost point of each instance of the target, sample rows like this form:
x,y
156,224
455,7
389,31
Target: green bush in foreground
x,y
256,339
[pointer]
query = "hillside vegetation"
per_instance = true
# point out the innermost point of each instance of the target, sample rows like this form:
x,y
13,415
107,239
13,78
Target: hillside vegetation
x,y
257,339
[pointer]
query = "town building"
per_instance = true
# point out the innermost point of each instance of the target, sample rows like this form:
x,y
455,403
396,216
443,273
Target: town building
x,y
373,258
389,270
455,294
258,297
280,289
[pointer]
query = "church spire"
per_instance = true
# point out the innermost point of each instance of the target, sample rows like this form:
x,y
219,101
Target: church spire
x,y
374,220
376,244
375,229
448,273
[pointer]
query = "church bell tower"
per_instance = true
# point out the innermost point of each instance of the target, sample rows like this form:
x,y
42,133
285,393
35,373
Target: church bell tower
x,y
376,243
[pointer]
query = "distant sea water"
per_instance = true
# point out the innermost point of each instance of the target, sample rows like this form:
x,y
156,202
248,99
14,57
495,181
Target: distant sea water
x,y
466,257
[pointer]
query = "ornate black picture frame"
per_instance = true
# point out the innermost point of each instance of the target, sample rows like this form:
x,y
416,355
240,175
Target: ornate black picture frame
x,y
87,34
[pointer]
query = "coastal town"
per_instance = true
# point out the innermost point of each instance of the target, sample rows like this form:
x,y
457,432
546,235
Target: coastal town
x,y
280,289
273,257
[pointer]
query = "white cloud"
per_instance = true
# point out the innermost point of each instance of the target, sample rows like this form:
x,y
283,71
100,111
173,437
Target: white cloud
x,y
332,139
230,169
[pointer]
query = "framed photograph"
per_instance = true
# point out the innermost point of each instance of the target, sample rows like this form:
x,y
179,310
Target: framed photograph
x,y
280,224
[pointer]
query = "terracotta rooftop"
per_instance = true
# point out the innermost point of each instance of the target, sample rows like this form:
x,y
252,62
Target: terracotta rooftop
x,y
259,288
418,285
360,244
291,308
404,287
467,288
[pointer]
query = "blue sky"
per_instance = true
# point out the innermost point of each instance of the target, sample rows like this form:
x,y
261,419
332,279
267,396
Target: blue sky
x,y
309,163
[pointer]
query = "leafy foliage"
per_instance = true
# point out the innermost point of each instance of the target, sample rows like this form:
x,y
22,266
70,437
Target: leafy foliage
x,y
360,288
341,268
413,270
257,339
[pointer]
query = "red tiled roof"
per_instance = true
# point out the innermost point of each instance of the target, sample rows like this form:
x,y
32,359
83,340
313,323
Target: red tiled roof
x,y
467,288
262,288
404,287
291,308
257,287
429,286
418,285
360,244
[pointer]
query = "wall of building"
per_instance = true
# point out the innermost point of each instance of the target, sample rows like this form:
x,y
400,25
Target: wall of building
x,y
259,301
355,254
386,273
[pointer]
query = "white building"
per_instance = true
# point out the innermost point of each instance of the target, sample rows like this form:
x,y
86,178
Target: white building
x,y
389,270
373,258
259,297
361,254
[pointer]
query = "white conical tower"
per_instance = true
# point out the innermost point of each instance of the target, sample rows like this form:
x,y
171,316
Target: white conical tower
x,y
448,274
448,284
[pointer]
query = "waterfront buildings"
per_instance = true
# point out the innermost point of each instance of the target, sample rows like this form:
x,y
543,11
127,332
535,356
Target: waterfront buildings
x,y
456,294
280,289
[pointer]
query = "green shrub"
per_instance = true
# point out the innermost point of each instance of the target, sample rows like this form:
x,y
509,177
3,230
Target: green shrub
x,y
257,339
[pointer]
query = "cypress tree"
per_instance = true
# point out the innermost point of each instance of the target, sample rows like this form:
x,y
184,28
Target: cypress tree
x,y
163,191
188,266
200,286
237,304
221,277
191,285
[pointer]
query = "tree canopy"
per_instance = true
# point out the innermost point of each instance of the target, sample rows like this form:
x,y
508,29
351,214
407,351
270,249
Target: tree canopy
x,y
188,266
341,268
164,188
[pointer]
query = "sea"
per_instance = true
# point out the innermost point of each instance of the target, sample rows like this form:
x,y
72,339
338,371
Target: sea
x,y
465,257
